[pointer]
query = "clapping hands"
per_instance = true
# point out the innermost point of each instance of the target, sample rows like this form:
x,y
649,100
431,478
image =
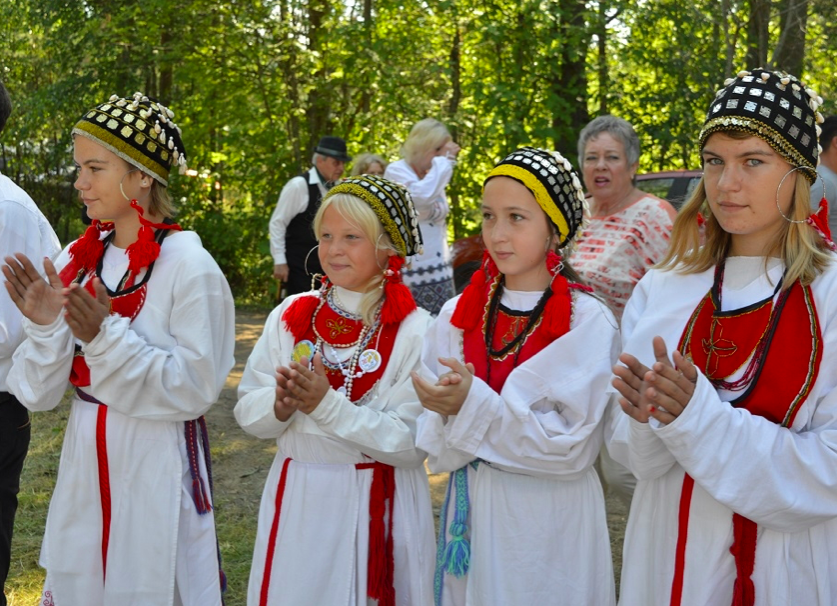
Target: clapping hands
x,y
662,391
41,300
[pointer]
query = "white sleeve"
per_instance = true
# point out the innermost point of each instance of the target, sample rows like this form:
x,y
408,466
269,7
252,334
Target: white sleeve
x,y
176,383
548,419
385,427
257,389
292,200
41,365
20,231
423,191
443,341
780,478
432,438
632,443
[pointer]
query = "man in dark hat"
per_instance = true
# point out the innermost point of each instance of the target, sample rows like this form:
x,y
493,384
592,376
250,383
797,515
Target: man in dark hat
x,y
23,229
292,238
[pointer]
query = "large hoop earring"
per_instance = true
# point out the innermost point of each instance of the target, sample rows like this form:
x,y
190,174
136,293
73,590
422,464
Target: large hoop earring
x,y
778,189
305,264
122,191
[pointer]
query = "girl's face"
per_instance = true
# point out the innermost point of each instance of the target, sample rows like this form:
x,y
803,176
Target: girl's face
x,y
100,172
349,258
516,233
741,177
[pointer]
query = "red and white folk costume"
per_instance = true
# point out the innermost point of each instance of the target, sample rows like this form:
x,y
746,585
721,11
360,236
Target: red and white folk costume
x,y
345,516
524,521
772,461
736,500
130,519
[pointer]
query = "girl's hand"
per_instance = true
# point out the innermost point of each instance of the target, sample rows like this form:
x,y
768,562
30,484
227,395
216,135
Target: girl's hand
x,y
83,313
285,404
670,387
662,393
37,299
449,393
308,386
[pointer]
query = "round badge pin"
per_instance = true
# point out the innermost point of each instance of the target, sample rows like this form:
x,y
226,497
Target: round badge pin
x,y
369,361
303,349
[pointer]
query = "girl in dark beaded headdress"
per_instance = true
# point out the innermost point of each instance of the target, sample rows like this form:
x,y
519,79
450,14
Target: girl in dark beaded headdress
x,y
345,515
513,385
732,437
141,320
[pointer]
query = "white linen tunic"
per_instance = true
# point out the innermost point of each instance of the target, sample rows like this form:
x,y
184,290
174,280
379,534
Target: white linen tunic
x,y
166,367
430,274
321,549
538,530
783,479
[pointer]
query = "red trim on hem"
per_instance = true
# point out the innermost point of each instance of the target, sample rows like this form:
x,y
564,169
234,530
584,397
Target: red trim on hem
x,y
682,537
104,480
274,530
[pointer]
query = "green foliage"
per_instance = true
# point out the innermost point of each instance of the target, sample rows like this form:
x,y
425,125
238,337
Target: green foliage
x,y
255,83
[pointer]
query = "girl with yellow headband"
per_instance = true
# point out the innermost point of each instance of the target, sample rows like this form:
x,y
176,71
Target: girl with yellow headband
x,y
513,385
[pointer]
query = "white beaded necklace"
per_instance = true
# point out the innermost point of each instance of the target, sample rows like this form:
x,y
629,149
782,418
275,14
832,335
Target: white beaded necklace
x,y
347,369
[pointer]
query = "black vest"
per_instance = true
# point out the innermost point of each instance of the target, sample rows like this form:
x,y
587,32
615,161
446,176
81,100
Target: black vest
x,y
300,240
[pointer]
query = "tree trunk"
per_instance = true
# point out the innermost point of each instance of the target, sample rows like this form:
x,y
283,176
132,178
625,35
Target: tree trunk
x,y
319,99
757,34
789,54
571,83
601,68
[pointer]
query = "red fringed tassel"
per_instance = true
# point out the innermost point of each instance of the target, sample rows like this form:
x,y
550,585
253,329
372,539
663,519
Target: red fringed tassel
x,y
558,311
297,317
468,309
87,250
143,251
381,561
819,221
743,550
398,300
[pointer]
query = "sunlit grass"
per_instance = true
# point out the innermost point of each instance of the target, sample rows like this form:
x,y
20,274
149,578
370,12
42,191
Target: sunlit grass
x,y
23,587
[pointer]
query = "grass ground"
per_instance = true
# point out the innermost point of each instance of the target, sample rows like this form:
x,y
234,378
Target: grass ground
x,y
240,465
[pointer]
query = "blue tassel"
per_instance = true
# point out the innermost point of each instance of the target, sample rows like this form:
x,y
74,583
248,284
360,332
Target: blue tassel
x,y
458,556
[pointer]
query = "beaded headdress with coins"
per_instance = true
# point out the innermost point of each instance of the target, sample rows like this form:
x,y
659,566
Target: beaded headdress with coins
x,y
138,129
774,106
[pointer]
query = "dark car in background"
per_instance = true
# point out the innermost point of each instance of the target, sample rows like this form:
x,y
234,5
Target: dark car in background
x,y
672,185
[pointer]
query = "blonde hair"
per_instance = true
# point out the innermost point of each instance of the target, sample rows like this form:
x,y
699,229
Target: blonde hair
x,y
159,200
359,214
803,251
364,161
424,136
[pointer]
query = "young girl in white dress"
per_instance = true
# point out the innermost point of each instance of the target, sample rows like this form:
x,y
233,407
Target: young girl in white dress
x,y
513,382
139,318
345,516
